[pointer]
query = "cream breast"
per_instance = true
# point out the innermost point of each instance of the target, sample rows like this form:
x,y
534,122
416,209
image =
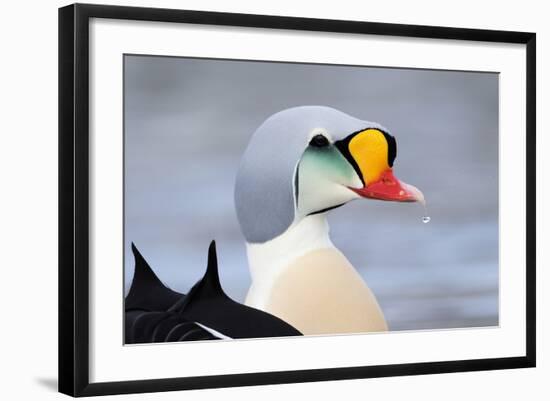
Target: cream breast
x,y
321,293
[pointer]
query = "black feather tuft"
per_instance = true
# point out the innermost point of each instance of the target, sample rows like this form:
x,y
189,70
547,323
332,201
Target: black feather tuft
x,y
147,292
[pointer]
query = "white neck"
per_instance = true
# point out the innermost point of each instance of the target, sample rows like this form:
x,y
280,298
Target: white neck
x,y
268,259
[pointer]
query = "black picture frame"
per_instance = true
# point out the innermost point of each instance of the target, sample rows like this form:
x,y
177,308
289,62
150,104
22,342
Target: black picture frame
x,y
74,191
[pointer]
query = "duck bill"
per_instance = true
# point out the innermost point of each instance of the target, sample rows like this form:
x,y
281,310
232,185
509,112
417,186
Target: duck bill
x,y
389,188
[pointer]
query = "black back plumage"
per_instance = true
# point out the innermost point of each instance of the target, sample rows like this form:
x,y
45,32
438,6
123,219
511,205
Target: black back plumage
x,y
155,313
147,318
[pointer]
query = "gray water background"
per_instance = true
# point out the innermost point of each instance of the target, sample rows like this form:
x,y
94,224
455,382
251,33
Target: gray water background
x,y
188,121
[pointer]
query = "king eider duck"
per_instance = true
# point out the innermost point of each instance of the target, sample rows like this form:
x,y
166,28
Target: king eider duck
x,y
299,164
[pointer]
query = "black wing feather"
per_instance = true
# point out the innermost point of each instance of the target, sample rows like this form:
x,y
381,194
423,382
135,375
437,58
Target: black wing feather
x,y
208,305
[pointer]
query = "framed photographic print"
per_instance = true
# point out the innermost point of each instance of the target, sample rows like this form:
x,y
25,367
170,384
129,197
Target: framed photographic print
x,y
276,199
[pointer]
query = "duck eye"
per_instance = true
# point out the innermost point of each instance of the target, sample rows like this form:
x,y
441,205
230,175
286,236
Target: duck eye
x,y
319,141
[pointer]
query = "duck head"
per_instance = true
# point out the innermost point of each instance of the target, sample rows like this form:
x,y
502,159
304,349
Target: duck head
x,y
311,159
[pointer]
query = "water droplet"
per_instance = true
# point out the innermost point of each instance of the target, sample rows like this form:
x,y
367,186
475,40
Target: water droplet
x,y
426,218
